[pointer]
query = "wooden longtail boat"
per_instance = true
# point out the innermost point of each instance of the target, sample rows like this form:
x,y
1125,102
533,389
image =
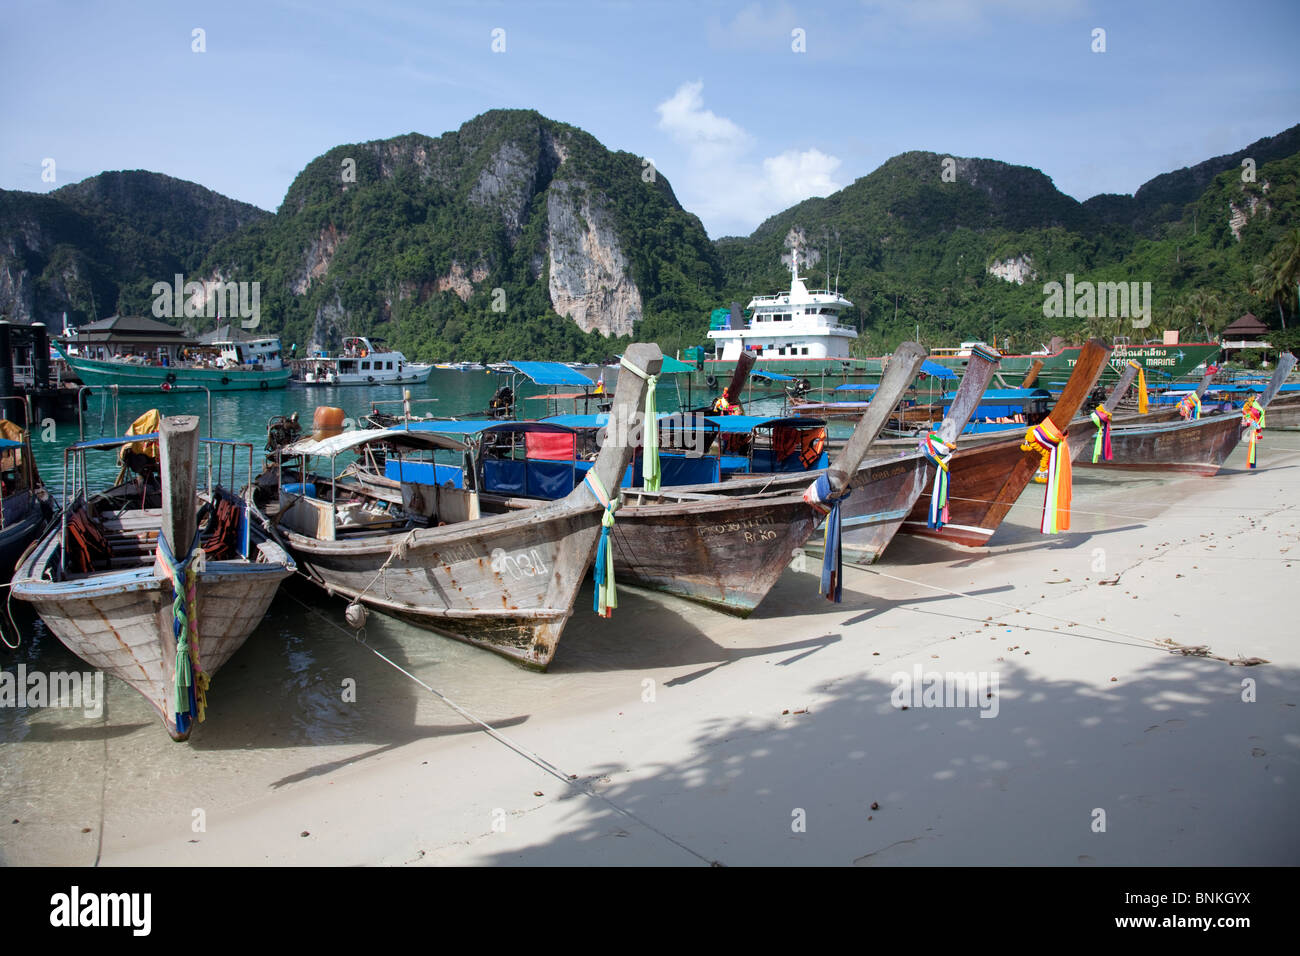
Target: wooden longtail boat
x,y
885,486
985,480
102,582
504,582
726,549
1197,446
26,508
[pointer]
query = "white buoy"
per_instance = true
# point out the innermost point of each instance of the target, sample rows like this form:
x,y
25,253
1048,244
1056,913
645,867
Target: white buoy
x,y
355,615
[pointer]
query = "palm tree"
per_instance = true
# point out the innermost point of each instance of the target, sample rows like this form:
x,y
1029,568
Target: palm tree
x,y
1279,273
1202,308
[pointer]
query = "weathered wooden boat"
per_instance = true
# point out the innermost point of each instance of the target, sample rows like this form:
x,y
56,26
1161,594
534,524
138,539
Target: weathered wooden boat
x,y
890,479
1197,446
26,508
986,479
504,582
155,581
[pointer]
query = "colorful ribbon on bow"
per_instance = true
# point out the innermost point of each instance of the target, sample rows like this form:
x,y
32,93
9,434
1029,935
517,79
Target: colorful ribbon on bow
x,y
1190,406
821,497
1101,417
606,597
1049,441
1252,419
1143,401
190,683
651,472
939,452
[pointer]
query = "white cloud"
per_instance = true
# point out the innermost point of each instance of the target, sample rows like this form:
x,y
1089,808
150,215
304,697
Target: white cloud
x,y
702,131
794,176
731,191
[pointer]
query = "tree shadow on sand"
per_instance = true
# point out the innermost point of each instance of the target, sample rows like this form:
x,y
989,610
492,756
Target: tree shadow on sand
x,y
1183,769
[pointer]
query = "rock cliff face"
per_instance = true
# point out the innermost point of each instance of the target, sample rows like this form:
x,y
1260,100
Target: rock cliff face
x,y
1017,269
589,278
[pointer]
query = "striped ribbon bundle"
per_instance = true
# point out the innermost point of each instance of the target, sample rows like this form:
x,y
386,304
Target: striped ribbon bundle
x,y
939,452
821,497
1101,447
1049,441
606,597
1252,419
1144,403
1190,407
190,683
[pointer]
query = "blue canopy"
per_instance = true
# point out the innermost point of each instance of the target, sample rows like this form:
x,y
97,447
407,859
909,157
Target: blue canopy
x,y
856,388
937,370
743,424
6,443
772,376
1006,394
552,373
591,421
475,426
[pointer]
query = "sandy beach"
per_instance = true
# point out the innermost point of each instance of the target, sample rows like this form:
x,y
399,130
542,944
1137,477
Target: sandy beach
x,y
676,735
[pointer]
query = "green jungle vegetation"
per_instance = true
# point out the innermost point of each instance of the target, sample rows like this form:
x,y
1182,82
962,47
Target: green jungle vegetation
x,y
910,244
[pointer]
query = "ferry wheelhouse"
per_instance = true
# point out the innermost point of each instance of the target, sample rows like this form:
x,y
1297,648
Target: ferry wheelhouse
x,y
796,324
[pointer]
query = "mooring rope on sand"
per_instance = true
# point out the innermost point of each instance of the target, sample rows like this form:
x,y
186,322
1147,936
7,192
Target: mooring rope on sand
x,y
1164,644
570,780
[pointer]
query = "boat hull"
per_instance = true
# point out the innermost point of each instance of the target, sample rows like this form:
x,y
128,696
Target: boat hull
x,y
21,528
1197,447
99,372
984,481
120,622
724,552
416,377
500,584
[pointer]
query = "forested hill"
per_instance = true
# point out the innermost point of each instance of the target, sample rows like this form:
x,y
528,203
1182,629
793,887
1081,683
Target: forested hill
x,y
965,255
512,236
516,235
81,248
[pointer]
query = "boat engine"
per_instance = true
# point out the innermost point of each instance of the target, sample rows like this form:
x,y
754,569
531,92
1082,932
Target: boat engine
x,y
503,402
799,387
282,430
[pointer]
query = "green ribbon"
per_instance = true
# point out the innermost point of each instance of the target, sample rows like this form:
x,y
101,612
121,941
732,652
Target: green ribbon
x,y
651,471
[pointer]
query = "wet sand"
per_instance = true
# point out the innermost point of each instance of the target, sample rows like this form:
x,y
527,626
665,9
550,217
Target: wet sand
x,y
695,737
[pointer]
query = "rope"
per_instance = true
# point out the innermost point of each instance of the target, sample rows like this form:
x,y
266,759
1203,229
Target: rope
x,y
651,472
1164,644
606,597
399,550
532,757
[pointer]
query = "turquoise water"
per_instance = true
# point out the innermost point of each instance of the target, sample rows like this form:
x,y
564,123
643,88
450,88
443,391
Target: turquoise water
x,y
243,416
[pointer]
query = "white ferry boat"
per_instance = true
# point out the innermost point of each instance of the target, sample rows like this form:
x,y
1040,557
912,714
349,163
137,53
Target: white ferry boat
x,y
795,324
362,363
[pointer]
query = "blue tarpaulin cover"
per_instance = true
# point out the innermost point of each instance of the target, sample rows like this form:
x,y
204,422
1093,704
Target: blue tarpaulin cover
x,y
552,373
937,370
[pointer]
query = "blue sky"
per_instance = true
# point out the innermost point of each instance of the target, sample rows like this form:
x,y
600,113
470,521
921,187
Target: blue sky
x,y
741,124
